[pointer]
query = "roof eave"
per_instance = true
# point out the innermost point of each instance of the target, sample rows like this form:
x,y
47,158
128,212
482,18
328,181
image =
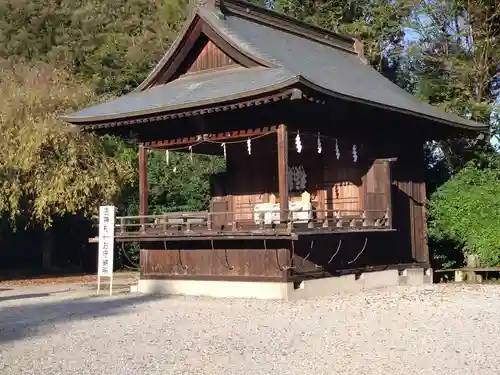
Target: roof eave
x,y
192,106
289,85
283,95
474,126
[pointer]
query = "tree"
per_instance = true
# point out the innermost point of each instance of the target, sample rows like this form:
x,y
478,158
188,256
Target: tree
x,y
48,169
466,210
111,44
456,67
455,61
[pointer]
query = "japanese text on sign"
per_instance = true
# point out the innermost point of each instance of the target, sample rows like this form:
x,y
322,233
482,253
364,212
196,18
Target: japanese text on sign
x,y
106,240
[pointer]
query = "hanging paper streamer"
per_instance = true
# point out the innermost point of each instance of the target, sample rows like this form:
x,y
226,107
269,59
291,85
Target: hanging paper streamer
x,y
249,146
224,150
337,151
298,143
354,153
320,148
167,157
191,152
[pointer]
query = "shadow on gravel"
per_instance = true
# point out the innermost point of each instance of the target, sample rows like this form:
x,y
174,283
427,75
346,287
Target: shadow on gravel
x,y
29,320
23,296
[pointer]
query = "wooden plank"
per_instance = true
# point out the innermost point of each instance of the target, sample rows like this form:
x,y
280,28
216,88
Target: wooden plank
x,y
203,261
233,53
388,188
213,278
143,181
210,57
283,171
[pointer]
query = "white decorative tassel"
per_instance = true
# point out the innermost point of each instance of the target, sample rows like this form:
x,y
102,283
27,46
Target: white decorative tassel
x,y
354,153
249,146
320,148
167,157
224,150
298,143
337,151
191,152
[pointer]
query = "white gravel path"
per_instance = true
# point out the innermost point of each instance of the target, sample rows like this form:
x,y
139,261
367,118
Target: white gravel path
x,y
433,330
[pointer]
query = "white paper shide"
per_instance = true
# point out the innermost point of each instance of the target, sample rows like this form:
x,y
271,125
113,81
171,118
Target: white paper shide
x,y
106,240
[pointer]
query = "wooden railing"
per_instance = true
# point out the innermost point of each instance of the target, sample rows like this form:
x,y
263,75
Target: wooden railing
x,y
185,225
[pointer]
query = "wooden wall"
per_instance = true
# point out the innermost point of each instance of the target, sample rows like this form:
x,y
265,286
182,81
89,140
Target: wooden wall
x,y
334,184
235,260
210,57
409,201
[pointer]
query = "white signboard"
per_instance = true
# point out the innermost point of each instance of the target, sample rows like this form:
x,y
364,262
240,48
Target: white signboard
x,y
106,244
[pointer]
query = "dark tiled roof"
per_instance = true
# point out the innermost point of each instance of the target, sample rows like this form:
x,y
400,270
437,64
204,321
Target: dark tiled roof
x,y
338,72
200,89
293,58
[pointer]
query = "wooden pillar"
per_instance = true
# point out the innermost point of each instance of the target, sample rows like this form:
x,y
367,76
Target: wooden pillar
x,y
283,170
143,181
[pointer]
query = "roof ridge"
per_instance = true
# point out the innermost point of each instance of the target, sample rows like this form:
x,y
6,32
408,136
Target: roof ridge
x,y
276,20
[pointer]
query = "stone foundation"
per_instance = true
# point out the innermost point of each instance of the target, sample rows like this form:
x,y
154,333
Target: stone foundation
x,y
286,291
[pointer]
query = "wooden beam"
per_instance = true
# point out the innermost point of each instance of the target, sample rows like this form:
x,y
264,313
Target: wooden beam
x,y
143,181
283,171
222,136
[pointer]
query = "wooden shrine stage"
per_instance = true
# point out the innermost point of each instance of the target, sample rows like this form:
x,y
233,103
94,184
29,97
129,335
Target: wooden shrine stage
x,y
320,173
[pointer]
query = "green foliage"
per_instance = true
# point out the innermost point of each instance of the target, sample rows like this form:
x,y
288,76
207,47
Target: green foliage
x,y
111,44
466,210
48,169
181,185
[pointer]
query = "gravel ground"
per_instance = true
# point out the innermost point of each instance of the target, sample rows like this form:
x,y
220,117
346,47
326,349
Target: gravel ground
x,y
437,329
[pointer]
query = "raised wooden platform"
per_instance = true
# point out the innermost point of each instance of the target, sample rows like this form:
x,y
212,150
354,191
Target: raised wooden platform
x,y
189,226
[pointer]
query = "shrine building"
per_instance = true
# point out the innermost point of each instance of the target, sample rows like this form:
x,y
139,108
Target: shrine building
x,y
324,186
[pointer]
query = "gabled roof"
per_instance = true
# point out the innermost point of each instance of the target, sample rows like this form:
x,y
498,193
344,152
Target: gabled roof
x,y
278,53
